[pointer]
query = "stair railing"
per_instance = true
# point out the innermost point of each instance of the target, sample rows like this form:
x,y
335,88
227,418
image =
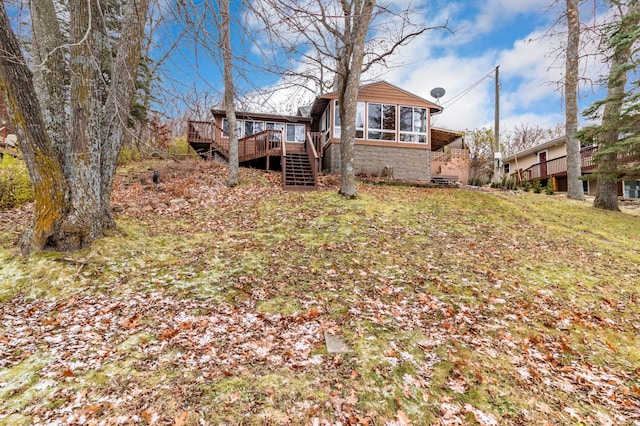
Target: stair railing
x,y
314,159
283,161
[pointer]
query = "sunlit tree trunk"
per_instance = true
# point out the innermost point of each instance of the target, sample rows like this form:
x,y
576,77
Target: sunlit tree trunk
x,y
50,187
229,92
574,184
71,122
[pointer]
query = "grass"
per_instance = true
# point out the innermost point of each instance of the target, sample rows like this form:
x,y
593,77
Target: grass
x,y
15,187
455,304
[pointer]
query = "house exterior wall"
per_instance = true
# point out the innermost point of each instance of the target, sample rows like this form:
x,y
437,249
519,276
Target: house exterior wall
x,y
530,159
405,164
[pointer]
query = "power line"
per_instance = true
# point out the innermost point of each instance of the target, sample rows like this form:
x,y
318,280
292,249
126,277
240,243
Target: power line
x,y
457,97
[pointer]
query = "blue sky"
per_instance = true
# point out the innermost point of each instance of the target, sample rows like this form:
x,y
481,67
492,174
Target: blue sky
x,y
517,35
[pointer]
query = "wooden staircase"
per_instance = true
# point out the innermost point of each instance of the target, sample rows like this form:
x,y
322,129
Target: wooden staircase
x,y
299,166
298,173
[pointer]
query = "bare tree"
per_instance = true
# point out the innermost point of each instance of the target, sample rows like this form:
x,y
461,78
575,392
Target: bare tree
x,y
574,185
229,91
338,41
525,136
480,143
71,118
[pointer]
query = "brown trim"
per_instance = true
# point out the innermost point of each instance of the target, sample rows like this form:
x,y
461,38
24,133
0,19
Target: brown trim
x,y
385,144
258,116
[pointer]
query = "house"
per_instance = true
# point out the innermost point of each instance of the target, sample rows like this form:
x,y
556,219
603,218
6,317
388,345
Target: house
x,y
548,161
394,138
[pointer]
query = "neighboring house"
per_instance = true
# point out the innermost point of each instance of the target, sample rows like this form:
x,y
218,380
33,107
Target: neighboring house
x,y
394,138
549,161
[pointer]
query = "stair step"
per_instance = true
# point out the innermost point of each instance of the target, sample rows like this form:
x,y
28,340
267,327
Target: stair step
x,y
299,174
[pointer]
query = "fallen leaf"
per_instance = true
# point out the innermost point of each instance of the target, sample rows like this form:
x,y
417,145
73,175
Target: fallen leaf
x,y
180,419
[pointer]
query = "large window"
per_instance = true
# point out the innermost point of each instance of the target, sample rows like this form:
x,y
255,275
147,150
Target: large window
x,y
295,132
381,122
337,129
413,124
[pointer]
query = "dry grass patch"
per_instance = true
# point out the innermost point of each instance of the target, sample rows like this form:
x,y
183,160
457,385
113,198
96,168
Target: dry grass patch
x,y
211,306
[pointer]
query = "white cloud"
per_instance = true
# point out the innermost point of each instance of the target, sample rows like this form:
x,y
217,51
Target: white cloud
x,y
495,13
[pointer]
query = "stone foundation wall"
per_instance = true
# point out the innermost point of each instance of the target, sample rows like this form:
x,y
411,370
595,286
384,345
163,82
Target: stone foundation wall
x,y
402,163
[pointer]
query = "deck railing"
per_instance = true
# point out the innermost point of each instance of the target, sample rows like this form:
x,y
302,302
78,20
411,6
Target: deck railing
x,y
260,145
208,132
558,166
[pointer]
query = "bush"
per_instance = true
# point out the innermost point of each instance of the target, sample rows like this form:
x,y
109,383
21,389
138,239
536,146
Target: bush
x,y
478,181
548,189
536,186
526,186
15,185
509,182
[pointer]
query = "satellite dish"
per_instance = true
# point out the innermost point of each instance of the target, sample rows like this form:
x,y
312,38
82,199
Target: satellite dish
x,y
437,93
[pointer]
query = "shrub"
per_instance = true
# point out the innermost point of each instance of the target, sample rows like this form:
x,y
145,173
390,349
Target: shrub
x,y
15,185
478,180
548,189
536,186
526,186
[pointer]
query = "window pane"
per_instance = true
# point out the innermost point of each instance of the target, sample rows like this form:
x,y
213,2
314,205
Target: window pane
x,y
389,136
374,135
374,120
389,118
406,119
248,128
420,120
225,125
291,132
337,114
299,133
359,134
360,116
258,126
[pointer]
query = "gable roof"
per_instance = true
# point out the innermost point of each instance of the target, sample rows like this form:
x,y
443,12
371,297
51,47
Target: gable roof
x,y
379,91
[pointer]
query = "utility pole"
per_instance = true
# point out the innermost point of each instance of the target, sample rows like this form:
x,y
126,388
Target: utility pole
x,y
497,155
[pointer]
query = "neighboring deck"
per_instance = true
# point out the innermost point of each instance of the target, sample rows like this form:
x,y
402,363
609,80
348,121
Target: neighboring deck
x,y
557,167
300,162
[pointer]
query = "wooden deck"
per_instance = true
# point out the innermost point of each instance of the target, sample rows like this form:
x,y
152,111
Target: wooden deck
x,y
300,162
557,167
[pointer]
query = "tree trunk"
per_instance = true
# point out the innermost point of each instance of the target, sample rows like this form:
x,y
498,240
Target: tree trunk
x,y
119,99
574,184
622,44
229,92
72,138
51,75
51,192
357,19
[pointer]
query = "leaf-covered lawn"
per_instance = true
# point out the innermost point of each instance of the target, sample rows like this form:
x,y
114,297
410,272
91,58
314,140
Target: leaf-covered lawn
x,y
209,306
